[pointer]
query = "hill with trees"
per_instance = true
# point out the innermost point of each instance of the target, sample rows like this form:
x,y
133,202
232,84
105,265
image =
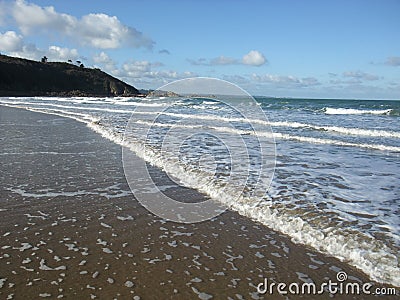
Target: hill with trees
x,y
23,77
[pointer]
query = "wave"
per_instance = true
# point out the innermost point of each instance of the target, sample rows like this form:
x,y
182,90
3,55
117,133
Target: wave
x,y
352,111
84,118
360,131
358,249
126,103
131,101
80,100
67,106
313,140
337,129
342,130
278,135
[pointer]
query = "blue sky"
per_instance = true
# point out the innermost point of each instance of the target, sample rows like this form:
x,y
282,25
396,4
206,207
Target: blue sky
x,y
317,49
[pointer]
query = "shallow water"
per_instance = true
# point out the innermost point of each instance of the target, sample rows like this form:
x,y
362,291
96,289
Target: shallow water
x,y
336,181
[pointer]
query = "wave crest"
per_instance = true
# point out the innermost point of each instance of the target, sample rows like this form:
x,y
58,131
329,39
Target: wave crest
x,y
352,111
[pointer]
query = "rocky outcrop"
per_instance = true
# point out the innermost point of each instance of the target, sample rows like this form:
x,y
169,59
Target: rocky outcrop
x,y
23,77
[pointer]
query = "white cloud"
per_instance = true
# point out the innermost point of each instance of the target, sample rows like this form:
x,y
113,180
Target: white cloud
x,y
156,79
14,45
254,58
57,53
96,30
31,17
136,69
29,51
10,41
53,53
393,61
349,81
105,32
223,60
103,58
361,75
286,81
268,78
139,69
142,74
145,74
106,62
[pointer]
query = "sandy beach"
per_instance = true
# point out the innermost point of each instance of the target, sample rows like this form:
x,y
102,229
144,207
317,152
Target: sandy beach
x,y
71,228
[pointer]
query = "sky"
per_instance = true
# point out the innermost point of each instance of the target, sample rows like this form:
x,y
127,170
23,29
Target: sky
x,y
281,48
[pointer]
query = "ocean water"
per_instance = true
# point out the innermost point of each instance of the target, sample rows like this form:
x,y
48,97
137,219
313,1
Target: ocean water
x,y
334,184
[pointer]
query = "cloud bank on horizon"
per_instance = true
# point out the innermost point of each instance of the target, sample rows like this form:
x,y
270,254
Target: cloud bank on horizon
x,y
237,51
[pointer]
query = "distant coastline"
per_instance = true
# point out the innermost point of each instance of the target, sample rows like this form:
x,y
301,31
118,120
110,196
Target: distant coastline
x,y
23,77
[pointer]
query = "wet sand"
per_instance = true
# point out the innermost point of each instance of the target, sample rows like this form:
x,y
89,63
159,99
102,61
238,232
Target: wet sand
x,y
70,228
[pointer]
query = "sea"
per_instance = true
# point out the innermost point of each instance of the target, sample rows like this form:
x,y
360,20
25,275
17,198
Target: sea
x,y
331,179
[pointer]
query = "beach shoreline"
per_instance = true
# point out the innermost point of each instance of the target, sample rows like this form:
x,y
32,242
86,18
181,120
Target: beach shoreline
x,y
70,226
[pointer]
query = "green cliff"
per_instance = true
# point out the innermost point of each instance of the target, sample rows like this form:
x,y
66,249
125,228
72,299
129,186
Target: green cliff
x,y
23,77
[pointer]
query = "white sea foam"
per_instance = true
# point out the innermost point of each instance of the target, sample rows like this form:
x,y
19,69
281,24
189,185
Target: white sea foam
x,y
45,153
123,103
84,118
267,134
337,142
66,107
338,129
360,250
48,194
2,281
71,100
44,101
62,99
342,130
210,102
44,267
351,111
